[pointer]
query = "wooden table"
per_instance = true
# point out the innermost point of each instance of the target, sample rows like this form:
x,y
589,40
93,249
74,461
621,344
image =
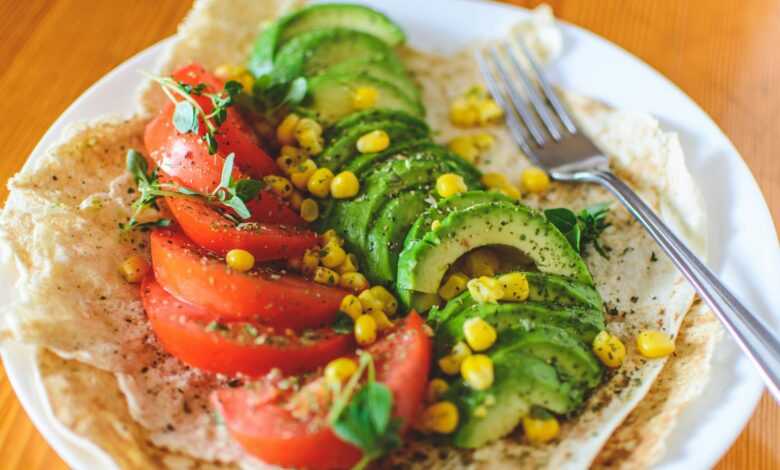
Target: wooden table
x,y
722,53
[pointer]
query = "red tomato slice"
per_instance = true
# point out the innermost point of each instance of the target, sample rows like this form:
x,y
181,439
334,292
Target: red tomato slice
x,y
234,348
277,300
263,423
211,231
270,208
234,135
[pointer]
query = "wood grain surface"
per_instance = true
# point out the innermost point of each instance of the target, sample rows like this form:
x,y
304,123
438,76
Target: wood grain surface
x,y
723,53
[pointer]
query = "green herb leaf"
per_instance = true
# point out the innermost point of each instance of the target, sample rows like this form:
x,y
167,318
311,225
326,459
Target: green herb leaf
x,y
296,91
566,221
227,171
583,228
185,118
248,189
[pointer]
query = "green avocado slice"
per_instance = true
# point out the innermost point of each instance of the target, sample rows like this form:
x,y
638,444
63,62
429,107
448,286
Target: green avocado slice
x,y
381,69
374,114
422,264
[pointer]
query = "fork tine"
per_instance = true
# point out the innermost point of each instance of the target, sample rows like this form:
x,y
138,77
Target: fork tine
x,y
560,109
522,109
533,95
493,87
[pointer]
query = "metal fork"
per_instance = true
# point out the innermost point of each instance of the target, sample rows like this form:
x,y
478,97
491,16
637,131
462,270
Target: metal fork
x,y
546,133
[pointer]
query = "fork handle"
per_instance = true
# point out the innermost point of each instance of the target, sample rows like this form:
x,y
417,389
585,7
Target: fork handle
x,y
752,335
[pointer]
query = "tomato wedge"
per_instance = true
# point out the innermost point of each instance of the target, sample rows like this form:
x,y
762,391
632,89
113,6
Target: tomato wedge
x,y
234,135
248,348
263,423
269,208
211,231
277,300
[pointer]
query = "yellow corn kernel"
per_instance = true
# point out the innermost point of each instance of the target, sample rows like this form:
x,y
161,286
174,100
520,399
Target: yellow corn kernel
x,y
441,418
365,97
450,364
609,349
488,111
540,431
515,286
319,183
653,344
296,200
389,303
463,113
484,141
310,260
477,371
465,146
237,73
331,236
485,289
535,180
289,158
370,302
356,282
240,260
280,185
454,285
436,389
327,276
350,264
450,184
495,180
382,322
309,210
308,133
481,262
134,268
332,255
511,191
302,173
344,185
340,370
374,141
480,335
365,330
285,132
351,306
435,224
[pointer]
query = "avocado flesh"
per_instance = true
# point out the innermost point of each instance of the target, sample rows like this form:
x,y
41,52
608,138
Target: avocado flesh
x,y
344,148
330,96
314,17
381,69
385,238
582,322
542,288
422,264
364,163
520,381
315,51
351,218
371,115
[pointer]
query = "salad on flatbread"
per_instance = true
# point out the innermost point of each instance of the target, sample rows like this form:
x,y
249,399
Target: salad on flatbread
x,y
317,247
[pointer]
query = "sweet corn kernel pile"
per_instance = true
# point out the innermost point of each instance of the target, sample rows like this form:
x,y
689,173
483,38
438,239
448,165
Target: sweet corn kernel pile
x,y
475,108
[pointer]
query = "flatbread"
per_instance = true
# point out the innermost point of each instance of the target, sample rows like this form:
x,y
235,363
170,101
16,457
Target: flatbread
x,y
111,383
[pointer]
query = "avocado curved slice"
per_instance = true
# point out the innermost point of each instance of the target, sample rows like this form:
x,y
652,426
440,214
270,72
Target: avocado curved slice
x,y
520,382
422,264
330,96
381,69
374,114
385,238
314,17
365,163
351,218
315,51
584,322
544,288
344,148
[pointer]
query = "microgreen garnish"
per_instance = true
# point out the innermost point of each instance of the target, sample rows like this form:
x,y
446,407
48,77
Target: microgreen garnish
x,y
343,323
188,112
270,96
230,192
583,228
363,416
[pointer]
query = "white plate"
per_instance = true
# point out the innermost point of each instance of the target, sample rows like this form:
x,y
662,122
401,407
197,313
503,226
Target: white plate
x,y
743,243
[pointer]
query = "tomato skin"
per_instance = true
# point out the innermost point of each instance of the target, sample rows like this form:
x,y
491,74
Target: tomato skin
x,y
181,328
259,420
270,208
280,301
234,135
213,232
